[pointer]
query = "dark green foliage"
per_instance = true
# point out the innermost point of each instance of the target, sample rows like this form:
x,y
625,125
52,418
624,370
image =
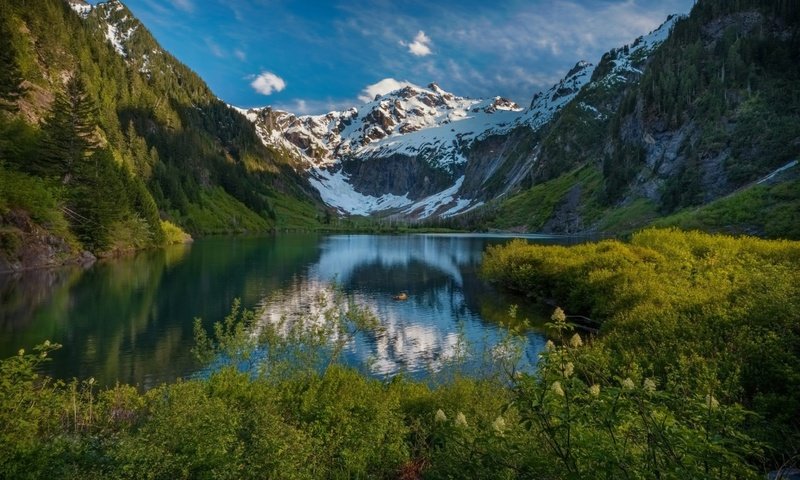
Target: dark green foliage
x,y
94,201
730,71
10,77
69,133
772,211
170,148
619,169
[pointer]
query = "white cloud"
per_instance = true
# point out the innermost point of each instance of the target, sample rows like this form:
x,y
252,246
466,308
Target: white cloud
x,y
240,54
381,88
185,5
421,46
215,49
537,44
268,83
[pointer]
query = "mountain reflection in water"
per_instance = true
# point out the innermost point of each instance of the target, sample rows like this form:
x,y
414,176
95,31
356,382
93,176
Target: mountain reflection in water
x,y
130,320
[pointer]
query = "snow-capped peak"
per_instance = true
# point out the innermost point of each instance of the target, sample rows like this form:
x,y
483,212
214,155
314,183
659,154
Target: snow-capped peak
x,y
630,58
409,120
430,127
81,7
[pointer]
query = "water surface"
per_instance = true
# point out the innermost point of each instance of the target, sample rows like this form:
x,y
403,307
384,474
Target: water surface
x,y
130,320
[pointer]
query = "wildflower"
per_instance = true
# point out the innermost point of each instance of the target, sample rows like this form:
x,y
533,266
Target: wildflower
x,y
499,425
649,385
712,402
594,390
549,346
440,416
559,316
575,341
461,420
628,384
556,388
569,369
21,352
91,381
47,343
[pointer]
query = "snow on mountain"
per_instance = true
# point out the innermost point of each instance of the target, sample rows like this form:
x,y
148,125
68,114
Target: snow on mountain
x,y
81,7
546,104
628,59
117,24
428,123
416,121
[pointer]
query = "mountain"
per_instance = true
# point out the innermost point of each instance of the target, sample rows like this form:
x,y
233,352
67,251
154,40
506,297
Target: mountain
x,y
713,110
663,125
423,152
108,143
407,151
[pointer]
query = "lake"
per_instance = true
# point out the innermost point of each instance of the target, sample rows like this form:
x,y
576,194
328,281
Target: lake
x,y
130,320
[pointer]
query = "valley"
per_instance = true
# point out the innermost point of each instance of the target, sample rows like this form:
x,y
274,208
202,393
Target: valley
x,y
500,259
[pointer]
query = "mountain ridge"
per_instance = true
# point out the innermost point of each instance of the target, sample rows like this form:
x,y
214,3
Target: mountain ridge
x,y
428,130
158,150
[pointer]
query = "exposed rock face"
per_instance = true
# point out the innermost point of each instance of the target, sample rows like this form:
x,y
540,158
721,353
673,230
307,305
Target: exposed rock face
x,y
500,163
420,145
397,175
25,245
566,219
419,142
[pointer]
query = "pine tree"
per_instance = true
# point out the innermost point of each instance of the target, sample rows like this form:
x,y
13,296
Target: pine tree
x,y
98,197
70,132
10,77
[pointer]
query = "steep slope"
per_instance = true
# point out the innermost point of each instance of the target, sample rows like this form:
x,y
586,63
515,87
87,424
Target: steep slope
x,y
714,108
408,151
150,123
423,152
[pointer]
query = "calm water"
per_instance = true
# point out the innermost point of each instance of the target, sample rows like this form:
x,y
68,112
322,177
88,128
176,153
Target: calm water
x,y
131,320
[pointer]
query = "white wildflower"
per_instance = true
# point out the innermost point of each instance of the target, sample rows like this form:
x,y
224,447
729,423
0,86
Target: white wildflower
x,y
499,425
440,416
649,385
569,369
594,390
558,316
628,384
712,402
461,420
575,341
549,346
556,388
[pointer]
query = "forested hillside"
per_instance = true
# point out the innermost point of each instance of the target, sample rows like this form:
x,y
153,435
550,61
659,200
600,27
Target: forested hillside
x,y
108,143
715,108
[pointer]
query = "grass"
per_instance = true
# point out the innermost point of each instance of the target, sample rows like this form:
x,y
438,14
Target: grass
x,y
534,207
629,217
220,213
769,211
294,214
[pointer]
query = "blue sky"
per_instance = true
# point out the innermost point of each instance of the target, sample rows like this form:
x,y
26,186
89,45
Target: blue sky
x,y
315,56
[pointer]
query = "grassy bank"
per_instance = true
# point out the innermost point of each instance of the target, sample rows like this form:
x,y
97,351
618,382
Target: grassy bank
x,y
715,314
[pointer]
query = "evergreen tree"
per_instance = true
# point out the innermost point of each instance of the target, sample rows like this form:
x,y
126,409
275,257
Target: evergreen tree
x,y
10,77
70,132
98,198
